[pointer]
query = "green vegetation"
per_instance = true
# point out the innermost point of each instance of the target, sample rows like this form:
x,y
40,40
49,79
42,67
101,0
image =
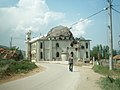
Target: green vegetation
x,y
11,62
10,67
104,70
103,52
111,81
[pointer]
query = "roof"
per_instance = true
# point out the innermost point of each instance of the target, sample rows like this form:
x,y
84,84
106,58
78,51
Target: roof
x,y
36,38
82,39
116,57
60,31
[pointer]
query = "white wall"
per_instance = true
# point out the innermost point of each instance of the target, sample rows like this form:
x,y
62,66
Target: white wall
x,y
49,49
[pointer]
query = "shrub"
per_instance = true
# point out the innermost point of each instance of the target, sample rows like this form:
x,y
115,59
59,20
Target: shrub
x,y
109,83
117,84
102,69
4,62
8,67
21,66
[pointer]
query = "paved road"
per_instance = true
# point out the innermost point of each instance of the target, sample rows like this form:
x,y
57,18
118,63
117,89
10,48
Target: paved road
x,y
55,77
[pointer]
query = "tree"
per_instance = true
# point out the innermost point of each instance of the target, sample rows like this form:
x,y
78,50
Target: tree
x,y
100,52
114,52
118,52
94,52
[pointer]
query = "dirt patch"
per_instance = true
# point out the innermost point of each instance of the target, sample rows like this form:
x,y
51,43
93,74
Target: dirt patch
x,y
22,75
88,79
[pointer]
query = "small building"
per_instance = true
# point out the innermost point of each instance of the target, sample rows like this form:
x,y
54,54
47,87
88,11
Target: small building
x,y
57,46
116,57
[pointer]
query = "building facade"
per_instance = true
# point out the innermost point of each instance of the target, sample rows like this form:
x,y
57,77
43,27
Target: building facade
x,y
57,46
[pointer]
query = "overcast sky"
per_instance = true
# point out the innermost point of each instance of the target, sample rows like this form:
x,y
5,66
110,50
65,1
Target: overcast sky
x,y
19,16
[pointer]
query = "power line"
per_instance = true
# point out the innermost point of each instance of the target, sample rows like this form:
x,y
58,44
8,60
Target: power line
x,y
116,10
104,9
89,16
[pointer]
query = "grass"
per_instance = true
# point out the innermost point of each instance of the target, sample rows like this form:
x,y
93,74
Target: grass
x,y
111,81
9,67
104,70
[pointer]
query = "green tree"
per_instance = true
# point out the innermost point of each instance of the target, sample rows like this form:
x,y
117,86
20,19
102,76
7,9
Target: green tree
x,y
118,52
114,52
94,51
103,52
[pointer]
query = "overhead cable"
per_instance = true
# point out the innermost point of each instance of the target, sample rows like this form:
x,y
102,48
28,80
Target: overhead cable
x,y
116,10
89,16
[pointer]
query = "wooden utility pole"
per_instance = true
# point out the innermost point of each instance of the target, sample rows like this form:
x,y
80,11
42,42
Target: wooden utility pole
x,y
110,35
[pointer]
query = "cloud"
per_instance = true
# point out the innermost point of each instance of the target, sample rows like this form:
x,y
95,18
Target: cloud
x,y
79,28
35,15
27,14
16,20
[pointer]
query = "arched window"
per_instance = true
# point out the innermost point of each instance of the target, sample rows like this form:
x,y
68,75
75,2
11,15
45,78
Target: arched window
x,y
86,45
41,55
82,47
41,45
86,54
57,44
72,53
57,54
71,44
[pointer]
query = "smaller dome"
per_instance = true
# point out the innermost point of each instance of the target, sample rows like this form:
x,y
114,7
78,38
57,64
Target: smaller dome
x,y
82,38
60,31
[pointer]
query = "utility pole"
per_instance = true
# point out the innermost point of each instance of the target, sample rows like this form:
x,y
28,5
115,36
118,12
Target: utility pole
x,y
11,42
119,42
110,35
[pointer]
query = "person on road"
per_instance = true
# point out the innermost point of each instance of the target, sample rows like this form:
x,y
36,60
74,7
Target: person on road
x,y
70,62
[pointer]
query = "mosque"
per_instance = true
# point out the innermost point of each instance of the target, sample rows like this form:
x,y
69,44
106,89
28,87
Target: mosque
x,y
56,46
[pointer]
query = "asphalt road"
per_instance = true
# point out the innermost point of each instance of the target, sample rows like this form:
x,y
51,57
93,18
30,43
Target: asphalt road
x,y
55,77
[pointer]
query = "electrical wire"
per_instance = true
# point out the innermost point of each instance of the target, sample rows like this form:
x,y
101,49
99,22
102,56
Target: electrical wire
x,y
89,16
70,26
116,10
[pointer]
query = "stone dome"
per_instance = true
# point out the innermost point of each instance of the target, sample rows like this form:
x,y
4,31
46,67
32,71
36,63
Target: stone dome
x,y
60,31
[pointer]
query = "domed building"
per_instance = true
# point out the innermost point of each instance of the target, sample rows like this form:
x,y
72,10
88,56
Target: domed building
x,y
57,46
60,32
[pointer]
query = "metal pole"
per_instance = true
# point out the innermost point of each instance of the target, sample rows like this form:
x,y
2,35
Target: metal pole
x,y
110,35
11,42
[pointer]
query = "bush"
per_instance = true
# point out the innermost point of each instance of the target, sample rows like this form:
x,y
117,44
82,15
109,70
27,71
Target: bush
x,y
109,83
117,84
4,62
8,67
21,67
102,69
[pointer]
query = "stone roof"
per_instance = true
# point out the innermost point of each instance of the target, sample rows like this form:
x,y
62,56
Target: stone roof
x,y
117,57
60,31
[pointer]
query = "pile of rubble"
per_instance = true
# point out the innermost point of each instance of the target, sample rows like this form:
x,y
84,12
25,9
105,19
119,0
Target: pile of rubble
x,y
8,54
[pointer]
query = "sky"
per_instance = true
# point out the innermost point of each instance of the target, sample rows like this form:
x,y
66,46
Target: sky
x,y
19,16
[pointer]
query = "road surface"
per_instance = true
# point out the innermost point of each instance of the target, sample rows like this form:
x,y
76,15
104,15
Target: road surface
x,y
55,77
